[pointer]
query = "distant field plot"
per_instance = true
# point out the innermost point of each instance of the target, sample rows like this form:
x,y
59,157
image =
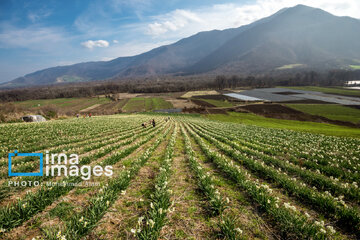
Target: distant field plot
x,y
218,103
199,93
330,111
64,102
140,104
160,103
252,119
290,66
338,90
356,67
135,104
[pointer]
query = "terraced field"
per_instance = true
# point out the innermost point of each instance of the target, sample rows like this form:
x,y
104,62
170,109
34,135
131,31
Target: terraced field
x,y
185,178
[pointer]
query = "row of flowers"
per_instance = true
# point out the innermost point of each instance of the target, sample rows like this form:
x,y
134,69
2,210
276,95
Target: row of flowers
x,y
149,226
217,204
79,224
330,206
348,190
293,224
15,214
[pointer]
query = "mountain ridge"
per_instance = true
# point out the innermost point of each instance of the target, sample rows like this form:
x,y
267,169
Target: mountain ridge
x,y
299,35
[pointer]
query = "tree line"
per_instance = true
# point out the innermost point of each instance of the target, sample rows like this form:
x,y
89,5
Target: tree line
x,y
179,84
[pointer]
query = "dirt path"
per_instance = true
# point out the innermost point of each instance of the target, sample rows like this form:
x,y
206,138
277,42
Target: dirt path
x,y
189,220
90,108
123,215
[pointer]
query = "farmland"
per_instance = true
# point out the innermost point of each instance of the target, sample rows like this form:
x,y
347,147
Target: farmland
x,y
186,178
139,104
335,112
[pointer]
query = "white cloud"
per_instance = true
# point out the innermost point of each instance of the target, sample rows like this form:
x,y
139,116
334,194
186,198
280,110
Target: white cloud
x,y
181,23
90,44
130,49
173,21
35,16
106,58
32,37
115,41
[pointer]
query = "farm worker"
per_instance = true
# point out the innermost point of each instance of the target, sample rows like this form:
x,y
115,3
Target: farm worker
x,y
90,115
153,122
77,115
143,125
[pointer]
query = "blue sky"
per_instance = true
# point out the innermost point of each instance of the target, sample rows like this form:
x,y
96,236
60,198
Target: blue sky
x,y
36,34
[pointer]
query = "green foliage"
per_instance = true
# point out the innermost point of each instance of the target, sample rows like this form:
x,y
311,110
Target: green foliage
x,y
355,67
252,119
63,210
330,111
141,104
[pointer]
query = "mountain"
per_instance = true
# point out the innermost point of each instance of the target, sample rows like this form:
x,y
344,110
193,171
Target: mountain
x,y
294,37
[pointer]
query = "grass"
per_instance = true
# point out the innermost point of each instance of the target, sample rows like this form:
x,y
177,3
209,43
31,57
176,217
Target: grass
x,y
330,111
355,67
290,66
217,103
62,102
140,104
331,90
252,119
63,210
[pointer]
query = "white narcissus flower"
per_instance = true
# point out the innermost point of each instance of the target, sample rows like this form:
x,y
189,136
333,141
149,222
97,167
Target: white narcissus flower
x,y
152,223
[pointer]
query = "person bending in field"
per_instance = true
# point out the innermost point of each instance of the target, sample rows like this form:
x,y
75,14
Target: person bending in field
x,y
153,122
143,125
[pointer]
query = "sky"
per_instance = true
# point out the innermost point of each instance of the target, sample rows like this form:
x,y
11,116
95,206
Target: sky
x,y
38,34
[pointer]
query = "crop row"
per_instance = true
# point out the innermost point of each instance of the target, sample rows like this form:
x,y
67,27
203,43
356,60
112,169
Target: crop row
x,y
15,214
149,226
81,223
328,166
291,221
322,202
352,192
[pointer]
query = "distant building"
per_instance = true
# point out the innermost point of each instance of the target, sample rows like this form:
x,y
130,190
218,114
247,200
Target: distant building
x,y
33,118
354,82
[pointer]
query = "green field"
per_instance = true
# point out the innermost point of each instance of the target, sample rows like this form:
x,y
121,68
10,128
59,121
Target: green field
x,y
64,102
355,67
217,103
330,111
290,66
140,104
313,127
330,90
185,178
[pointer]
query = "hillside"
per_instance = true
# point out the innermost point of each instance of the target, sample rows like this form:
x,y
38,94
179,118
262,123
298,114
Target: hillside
x,y
297,37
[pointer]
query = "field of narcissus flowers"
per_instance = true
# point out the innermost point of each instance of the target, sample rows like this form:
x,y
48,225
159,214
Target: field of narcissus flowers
x,y
185,178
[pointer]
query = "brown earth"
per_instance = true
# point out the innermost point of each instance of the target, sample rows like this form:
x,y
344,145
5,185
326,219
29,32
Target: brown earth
x,y
201,103
215,97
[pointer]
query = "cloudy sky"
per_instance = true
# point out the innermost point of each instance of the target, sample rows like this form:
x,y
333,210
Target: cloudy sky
x,y
38,34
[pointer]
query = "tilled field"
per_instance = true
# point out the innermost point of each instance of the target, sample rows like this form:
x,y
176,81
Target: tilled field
x,y
185,178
